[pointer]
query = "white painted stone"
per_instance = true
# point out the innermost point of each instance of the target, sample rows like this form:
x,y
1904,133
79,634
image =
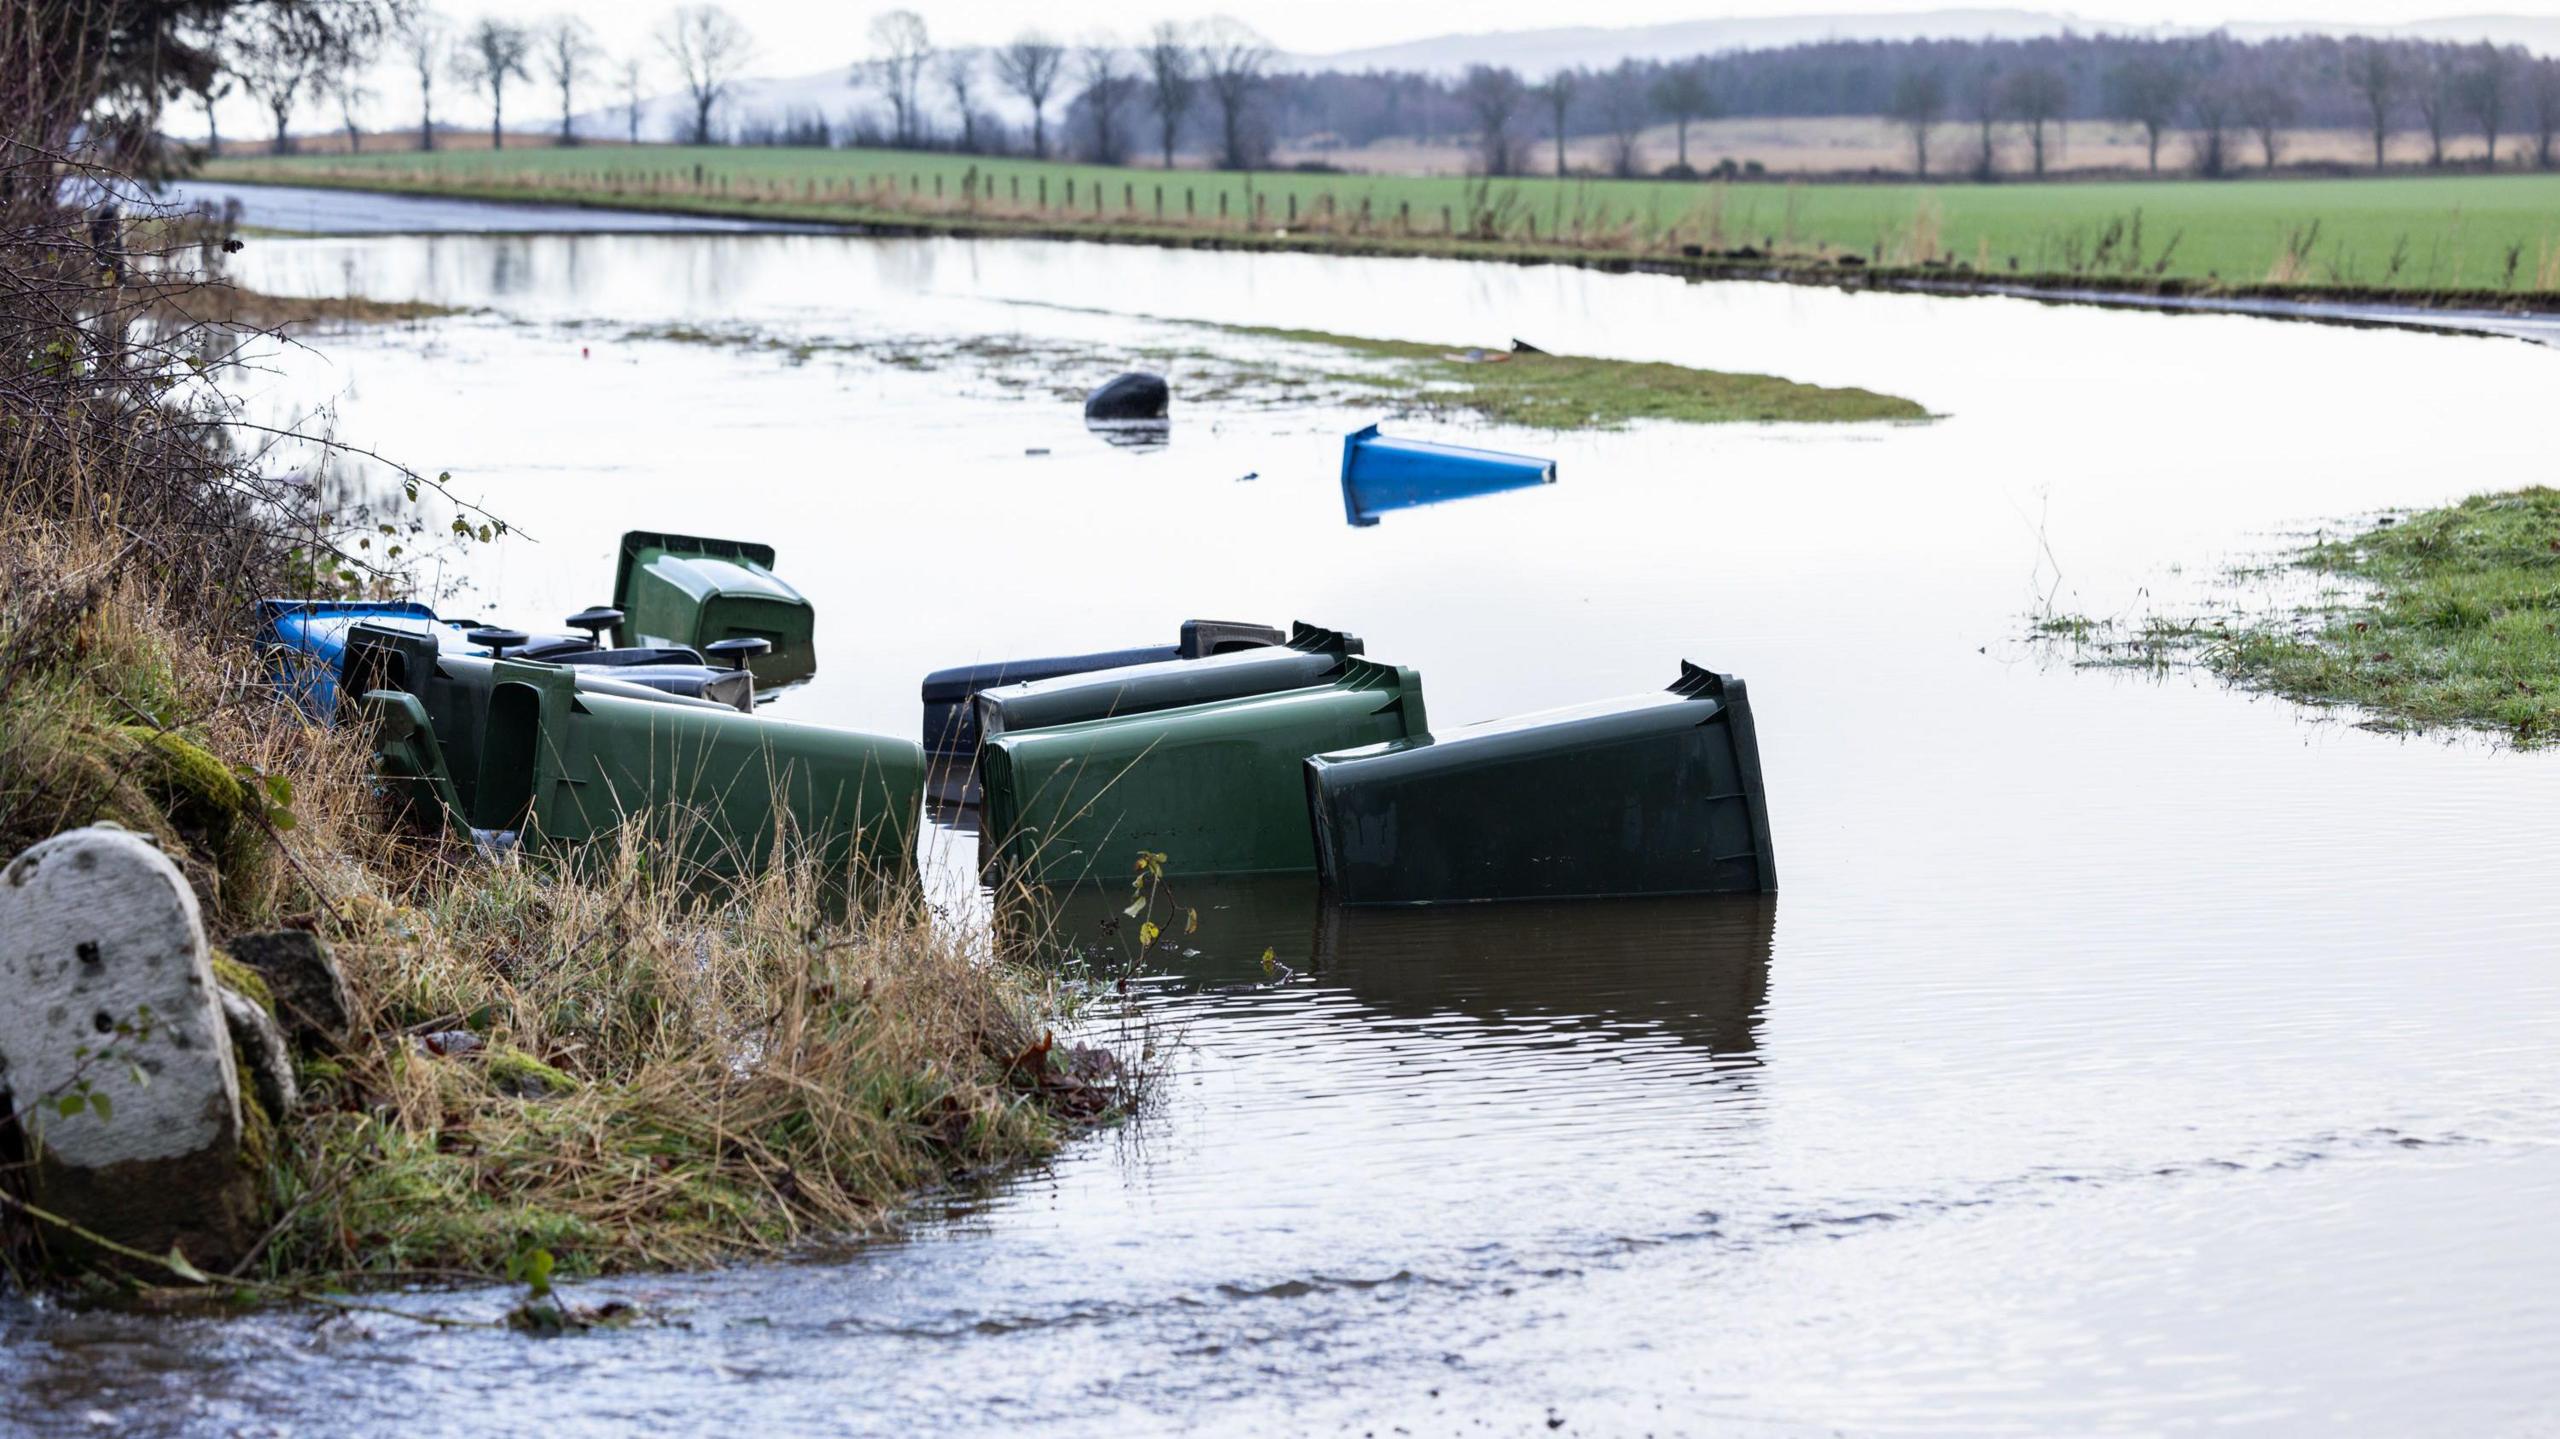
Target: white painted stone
x,y
98,928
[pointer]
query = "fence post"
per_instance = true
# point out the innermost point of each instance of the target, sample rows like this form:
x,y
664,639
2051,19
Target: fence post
x,y
1222,204
1017,188
1293,207
1447,226
1044,192
1071,192
1186,202
1159,202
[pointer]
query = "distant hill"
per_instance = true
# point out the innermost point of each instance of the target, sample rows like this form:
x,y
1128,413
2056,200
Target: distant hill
x,y
1539,51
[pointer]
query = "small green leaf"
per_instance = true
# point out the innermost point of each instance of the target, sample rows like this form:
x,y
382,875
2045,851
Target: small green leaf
x,y
179,1266
71,1104
102,1107
281,818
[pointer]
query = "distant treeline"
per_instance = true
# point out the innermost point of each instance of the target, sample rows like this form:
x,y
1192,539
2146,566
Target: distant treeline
x,y
2230,94
2232,97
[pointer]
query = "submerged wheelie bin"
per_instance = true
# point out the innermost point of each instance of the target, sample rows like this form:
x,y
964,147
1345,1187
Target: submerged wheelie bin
x,y
951,720
562,764
452,688
1214,788
1655,794
1312,656
1381,473
695,592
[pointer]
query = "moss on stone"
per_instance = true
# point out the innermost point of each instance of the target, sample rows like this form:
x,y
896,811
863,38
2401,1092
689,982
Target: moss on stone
x,y
241,980
512,1071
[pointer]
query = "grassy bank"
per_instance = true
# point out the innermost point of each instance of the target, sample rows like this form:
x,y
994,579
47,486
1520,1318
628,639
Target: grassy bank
x,y
605,1065
2456,238
586,1062
2443,619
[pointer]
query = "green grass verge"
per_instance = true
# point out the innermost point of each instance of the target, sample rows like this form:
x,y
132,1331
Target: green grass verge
x,y
2472,237
2453,623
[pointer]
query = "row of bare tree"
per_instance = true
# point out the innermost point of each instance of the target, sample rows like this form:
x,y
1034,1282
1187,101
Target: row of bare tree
x,y
704,45
2220,93
1119,87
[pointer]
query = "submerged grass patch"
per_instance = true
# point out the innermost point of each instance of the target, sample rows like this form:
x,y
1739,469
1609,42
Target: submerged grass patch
x,y
1278,368
1558,392
2446,618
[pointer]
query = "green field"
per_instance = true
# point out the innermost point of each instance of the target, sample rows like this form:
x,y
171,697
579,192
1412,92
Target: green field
x,y
2454,236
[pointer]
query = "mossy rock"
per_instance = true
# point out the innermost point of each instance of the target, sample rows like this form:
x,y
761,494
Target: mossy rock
x,y
199,790
241,980
515,1072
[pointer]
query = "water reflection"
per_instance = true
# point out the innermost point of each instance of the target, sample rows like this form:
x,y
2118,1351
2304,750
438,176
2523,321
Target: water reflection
x,y
1693,969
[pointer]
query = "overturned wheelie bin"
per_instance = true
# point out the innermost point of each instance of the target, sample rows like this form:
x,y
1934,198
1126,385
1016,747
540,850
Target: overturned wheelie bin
x,y
1655,794
560,759
950,715
1215,788
305,643
694,592
1382,472
1312,656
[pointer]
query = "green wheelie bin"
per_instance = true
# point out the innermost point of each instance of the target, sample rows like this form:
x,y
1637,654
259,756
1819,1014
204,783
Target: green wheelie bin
x,y
1312,656
1656,794
1215,788
562,764
693,591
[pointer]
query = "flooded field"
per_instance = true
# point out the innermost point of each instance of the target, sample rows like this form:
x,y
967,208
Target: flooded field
x,y
2124,1055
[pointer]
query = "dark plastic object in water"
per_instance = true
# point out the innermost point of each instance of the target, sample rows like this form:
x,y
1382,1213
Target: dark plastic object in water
x,y
1137,395
1313,656
1379,473
1215,788
951,722
691,591
563,763
1651,795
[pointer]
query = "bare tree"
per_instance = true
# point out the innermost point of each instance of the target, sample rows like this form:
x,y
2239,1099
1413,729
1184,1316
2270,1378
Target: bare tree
x,y
1985,97
493,52
709,47
2376,78
2148,92
2267,105
2433,95
1029,67
426,38
2542,89
1681,93
2483,89
1232,59
569,52
1557,92
1105,89
958,70
1493,94
634,77
346,87
274,75
1170,85
901,49
2038,97
216,87
2209,108
1919,102
1626,109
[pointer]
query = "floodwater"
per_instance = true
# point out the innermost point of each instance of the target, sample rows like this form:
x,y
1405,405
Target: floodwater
x,y
2125,1055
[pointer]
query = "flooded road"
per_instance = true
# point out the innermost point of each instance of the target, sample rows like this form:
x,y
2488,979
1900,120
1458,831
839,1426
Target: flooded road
x,y
2125,1055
